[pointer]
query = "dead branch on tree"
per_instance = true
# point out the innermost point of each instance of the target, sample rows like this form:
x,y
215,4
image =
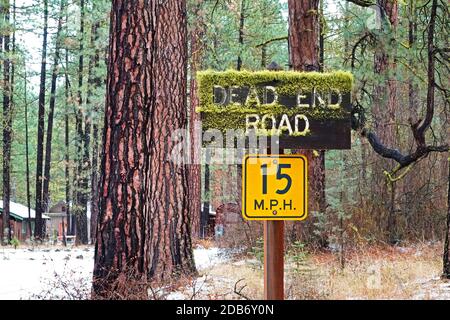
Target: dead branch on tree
x,y
420,127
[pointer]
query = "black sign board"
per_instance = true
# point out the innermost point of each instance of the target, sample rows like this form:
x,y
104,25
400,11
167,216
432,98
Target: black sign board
x,y
303,110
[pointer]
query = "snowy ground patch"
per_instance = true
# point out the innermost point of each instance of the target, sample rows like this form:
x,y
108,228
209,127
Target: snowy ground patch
x,y
65,273
34,273
206,258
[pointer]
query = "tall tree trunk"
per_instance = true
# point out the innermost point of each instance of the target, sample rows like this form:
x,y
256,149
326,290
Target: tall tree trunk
x,y
70,228
304,56
82,137
144,225
206,205
412,181
241,34
27,151
170,248
195,187
384,102
39,228
446,258
7,122
94,83
2,17
94,182
48,145
239,153
321,36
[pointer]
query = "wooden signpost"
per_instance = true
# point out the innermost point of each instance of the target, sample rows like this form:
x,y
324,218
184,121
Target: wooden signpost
x,y
274,189
299,111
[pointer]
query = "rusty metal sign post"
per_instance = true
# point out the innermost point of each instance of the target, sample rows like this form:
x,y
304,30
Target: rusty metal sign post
x,y
274,260
274,189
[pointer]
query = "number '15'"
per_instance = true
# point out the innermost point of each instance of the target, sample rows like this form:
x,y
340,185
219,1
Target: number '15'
x,y
280,176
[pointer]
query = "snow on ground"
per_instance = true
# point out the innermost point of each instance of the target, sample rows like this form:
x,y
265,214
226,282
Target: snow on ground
x,y
433,289
206,258
64,273
33,272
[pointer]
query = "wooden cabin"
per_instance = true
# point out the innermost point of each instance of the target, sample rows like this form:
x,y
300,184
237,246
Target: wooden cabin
x,y
19,219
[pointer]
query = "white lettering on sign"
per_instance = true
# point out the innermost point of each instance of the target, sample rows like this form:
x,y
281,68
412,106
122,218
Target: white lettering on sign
x,y
268,123
269,96
300,99
285,124
297,120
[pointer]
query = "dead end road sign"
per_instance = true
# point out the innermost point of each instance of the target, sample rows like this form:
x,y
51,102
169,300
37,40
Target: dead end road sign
x,y
274,187
301,110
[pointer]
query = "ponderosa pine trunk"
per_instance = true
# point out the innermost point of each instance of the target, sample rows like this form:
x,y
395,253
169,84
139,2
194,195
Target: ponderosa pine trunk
x,y
39,228
195,187
304,56
384,104
7,122
48,145
143,224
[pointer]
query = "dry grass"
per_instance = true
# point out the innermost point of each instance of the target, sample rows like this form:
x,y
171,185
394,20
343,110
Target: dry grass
x,y
371,272
378,272
204,243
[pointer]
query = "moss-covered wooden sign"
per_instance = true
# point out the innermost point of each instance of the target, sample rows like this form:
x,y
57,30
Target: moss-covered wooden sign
x,y
304,110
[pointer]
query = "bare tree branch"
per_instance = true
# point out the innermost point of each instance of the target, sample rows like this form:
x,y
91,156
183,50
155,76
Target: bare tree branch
x,y
394,154
270,41
419,128
238,291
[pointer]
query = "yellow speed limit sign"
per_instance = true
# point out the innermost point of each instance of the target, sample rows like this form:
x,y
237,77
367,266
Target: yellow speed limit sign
x,y
274,187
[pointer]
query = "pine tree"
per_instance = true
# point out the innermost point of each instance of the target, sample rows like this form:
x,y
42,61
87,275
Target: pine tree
x,y
143,224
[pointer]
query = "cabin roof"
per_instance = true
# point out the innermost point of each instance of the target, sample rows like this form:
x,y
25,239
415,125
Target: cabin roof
x,y
20,212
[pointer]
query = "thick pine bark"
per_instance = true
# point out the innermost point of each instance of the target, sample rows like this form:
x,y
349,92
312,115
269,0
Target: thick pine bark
x,y
196,35
144,225
7,122
304,35
170,249
304,56
39,225
48,145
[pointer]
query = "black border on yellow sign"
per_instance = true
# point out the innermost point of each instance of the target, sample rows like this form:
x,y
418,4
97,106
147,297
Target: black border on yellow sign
x,y
305,191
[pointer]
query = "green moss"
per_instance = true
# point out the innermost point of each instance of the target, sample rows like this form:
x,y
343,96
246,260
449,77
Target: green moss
x,y
233,116
287,83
